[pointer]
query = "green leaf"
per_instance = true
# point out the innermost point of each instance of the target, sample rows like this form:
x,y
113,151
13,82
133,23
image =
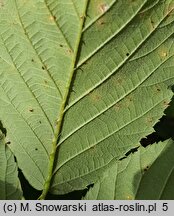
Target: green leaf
x,y
10,188
37,62
119,92
85,75
160,177
146,174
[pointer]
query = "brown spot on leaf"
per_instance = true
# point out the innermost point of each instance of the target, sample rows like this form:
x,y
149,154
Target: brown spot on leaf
x,y
101,22
166,104
118,79
146,168
149,120
117,107
152,25
95,96
128,101
31,110
141,14
129,98
44,67
1,3
8,143
103,8
152,22
69,51
157,89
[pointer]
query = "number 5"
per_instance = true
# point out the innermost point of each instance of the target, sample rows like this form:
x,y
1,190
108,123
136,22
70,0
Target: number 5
x,y
165,206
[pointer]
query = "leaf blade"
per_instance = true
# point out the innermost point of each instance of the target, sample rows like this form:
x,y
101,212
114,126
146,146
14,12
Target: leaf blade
x,y
34,85
138,176
10,188
118,113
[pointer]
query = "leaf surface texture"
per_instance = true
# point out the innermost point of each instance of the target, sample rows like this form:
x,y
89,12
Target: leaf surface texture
x,y
10,188
103,75
138,176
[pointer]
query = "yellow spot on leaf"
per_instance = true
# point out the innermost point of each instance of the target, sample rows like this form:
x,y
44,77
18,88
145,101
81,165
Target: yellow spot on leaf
x,y
163,54
52,18
129,197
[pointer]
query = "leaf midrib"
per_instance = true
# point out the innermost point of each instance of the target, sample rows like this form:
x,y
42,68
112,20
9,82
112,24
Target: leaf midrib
x,y
60,117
